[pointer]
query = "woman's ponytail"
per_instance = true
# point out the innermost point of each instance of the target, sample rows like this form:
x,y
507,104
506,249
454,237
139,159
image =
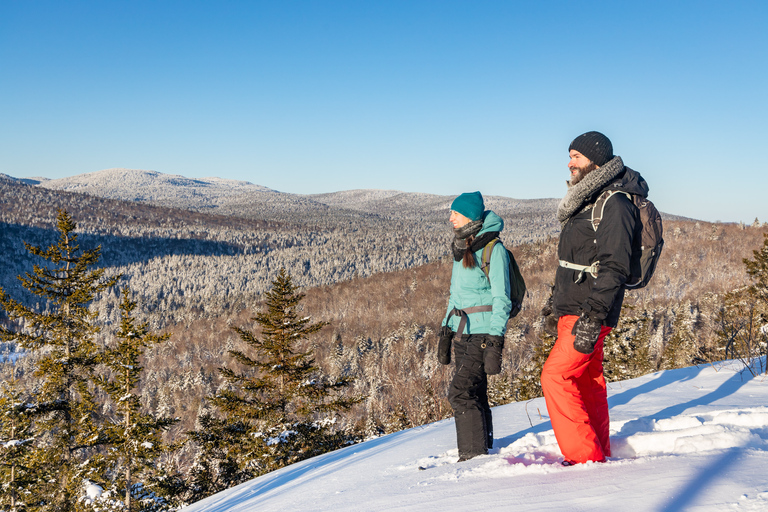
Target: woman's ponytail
x,y
469,258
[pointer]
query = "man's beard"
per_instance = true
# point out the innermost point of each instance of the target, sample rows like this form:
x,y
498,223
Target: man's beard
x,y
582,172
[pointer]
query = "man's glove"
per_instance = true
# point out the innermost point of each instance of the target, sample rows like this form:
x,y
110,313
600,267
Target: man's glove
x,y
548,320
444,345
586,330
492,354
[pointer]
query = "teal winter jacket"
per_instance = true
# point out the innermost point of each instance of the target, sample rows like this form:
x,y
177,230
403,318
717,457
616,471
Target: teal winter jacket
x,y
470,287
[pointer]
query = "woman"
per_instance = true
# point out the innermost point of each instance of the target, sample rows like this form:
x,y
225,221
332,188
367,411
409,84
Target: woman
x,y
478,310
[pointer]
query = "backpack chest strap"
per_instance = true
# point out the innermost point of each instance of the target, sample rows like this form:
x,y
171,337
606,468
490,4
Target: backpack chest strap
x,y
592,269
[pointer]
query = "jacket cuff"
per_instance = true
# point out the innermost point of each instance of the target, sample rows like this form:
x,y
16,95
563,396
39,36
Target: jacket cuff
x,y
592,313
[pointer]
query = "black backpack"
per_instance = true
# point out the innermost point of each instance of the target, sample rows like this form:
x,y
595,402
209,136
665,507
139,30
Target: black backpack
x,y
643,263
516,281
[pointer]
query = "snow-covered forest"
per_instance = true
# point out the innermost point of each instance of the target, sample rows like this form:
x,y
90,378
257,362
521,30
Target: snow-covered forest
x,y
181,260
370,264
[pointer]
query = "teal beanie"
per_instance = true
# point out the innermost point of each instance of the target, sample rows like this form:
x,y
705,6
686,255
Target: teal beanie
x,y
470,205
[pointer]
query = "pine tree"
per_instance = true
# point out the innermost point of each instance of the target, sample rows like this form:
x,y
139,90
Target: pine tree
x,y
223,445
18,453
280,409
372,428
757,269
743,320
134,437
681,349
64,334
527,382
626,352
397,420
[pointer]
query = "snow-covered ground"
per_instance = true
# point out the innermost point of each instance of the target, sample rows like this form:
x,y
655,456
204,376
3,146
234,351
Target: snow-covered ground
x,y
690,439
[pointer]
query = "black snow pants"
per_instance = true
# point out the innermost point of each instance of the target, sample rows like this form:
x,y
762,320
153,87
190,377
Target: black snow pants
x,y
468,396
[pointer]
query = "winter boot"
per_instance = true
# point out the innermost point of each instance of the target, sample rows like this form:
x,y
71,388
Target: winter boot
x,y
471,436
488,428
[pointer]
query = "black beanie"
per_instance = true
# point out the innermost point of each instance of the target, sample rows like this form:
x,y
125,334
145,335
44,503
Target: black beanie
x,y
595,146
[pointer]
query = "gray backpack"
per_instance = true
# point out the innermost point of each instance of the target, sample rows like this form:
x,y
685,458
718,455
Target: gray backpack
x,y
643,262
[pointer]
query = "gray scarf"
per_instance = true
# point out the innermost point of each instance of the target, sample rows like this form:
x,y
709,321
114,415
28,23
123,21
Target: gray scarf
x,y
459,245
584,189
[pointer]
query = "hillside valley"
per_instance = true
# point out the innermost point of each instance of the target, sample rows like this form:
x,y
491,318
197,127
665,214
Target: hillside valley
x,y
238,234
373,264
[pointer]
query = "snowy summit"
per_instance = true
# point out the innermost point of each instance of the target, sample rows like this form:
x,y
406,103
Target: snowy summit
x,y
689,439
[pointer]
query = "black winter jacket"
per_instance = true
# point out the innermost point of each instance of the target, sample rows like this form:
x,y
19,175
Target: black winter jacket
x,y
612,245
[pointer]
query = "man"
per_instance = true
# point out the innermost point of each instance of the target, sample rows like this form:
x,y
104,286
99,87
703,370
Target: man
x,y
588,293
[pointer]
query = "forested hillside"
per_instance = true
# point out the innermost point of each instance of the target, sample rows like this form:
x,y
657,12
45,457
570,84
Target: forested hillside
x,y
382,328
192,260
382,289
374,266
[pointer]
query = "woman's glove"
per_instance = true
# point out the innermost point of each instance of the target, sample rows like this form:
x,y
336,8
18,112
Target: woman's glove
x,y
492,354
586,330
548,320
444,345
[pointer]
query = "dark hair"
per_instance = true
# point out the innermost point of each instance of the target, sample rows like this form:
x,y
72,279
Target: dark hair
x,y
469,259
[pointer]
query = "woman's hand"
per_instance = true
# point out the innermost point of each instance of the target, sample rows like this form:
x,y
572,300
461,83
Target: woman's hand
x,y
494,345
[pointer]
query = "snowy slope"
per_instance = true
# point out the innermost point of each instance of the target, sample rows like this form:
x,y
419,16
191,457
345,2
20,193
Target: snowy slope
x,y
690,439
139,185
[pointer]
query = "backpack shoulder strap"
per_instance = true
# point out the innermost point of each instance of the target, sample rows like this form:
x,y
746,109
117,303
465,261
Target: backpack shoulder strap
x,y
485,263
599,207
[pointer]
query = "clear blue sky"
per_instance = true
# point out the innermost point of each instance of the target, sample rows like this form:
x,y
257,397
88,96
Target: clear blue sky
x,y
431,96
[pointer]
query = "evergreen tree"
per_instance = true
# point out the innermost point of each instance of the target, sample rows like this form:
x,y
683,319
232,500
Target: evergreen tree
x,y
17,450
527,382
431,406
757,269
223,447
64,336
280,409
681,349
372,428
397,420
626,352
743,320
501,389
134,437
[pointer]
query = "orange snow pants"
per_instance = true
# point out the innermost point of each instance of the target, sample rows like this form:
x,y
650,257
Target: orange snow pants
x,y
577,401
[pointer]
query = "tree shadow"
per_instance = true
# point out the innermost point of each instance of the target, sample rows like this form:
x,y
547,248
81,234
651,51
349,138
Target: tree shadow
x,y
115,250
706,475
727,388
662,379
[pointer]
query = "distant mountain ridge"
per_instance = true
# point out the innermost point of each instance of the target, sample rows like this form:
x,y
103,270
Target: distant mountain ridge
x,y
151,186
244,199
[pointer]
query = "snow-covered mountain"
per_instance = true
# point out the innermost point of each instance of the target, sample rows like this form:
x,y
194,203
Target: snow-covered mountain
x,y
690,439
152,186
230,197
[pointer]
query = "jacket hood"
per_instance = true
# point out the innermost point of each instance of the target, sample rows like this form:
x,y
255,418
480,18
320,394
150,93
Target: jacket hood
x,y
491,222
630,181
